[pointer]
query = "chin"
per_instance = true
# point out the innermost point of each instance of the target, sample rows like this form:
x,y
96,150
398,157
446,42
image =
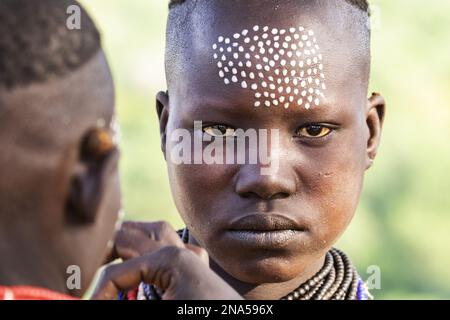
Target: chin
x,y
264,270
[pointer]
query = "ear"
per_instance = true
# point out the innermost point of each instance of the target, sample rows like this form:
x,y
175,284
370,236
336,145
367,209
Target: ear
x,y
162,109
376,108
89,184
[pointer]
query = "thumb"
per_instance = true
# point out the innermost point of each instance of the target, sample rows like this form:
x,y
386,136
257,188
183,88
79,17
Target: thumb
x,y
154,268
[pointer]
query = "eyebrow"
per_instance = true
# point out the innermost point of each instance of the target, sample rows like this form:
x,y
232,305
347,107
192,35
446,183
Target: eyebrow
x,y
218,107
221,108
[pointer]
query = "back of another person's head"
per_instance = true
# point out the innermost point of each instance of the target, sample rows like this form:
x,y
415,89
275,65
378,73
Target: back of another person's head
x,y
59,192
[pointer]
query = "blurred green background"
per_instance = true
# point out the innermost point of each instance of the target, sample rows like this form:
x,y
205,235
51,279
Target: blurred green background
x,y
403,222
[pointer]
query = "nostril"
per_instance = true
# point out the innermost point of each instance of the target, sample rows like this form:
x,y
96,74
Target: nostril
x,y
249,184
249,195
279,195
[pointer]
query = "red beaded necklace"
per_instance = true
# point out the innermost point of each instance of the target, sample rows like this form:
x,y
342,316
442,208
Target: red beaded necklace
x,y
31,293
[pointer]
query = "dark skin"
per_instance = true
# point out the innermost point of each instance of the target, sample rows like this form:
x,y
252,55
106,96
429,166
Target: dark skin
x,y
317,186
42,132
60,196
153,253
320,178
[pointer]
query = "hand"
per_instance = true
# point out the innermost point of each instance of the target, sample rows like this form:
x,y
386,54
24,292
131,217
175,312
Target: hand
x,y
154,254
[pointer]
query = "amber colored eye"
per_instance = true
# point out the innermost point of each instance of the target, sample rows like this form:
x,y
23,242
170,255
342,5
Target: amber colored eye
x,y
219,131
314,131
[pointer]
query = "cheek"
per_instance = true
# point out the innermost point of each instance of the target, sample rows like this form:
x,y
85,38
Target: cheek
x,y
113,200
96,239
334,189
200,192
339,196
109,214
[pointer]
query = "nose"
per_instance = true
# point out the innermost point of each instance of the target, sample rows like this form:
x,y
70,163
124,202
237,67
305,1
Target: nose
x,y
278,185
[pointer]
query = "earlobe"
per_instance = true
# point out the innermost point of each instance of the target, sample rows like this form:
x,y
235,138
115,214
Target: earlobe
x,y
88,186
376,109
162,109
82,201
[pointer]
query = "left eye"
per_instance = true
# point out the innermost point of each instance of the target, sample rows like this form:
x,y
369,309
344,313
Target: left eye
x,y
219,131
314,131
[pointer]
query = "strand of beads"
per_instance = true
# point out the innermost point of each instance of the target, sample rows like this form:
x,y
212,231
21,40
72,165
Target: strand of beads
x,y
351,277
336,280
339,265
305,290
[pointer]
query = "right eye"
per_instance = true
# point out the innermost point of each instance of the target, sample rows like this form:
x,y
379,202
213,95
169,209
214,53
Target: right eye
x,y
314,131
219,131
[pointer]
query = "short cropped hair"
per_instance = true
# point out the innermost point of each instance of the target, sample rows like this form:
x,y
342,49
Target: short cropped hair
x,y
36,44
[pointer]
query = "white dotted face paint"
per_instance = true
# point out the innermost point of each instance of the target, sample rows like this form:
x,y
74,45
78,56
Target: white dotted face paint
x,y
283,67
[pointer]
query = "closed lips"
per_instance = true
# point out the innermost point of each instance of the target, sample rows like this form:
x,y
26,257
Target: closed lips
x,y
265,223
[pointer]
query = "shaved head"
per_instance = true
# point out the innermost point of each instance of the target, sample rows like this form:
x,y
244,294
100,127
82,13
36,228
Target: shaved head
x,y
340,28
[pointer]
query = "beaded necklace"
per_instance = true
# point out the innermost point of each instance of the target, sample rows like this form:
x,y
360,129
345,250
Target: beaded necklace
x,y
336,280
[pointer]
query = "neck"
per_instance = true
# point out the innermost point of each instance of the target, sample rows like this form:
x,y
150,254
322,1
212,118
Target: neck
x,y
265,291
25,263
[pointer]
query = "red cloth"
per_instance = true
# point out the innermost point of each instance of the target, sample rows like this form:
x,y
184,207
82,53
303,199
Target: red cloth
x,y
132,294
31,293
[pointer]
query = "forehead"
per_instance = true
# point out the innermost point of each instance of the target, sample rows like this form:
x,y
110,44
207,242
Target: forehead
x,y
283,67
279,57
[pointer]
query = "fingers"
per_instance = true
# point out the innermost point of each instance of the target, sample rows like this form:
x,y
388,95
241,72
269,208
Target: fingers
x,y
177,271
135,239
165,235
154,268
132,243
117,278
160,231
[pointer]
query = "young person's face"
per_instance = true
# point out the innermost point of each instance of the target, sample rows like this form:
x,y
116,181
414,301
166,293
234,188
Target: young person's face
x,y
322,151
